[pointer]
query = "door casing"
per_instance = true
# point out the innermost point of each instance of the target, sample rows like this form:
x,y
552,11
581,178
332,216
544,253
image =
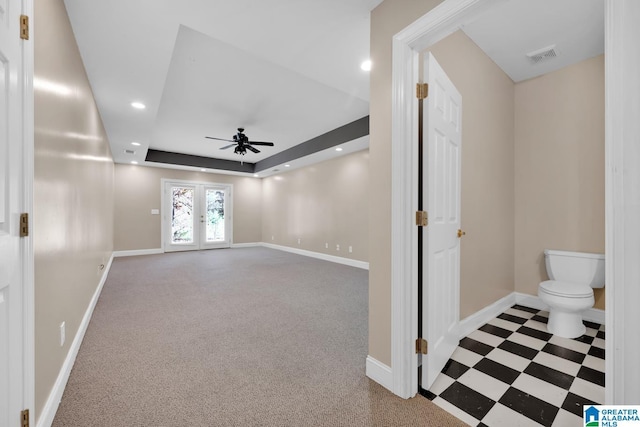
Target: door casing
x,y
621,132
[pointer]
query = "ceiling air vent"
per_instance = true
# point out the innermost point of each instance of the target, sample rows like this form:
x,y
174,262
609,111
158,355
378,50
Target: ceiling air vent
x,y
543,54
129,152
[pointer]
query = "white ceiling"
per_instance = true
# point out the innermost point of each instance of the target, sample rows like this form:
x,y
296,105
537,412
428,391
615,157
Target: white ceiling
x,y
507,32
285,70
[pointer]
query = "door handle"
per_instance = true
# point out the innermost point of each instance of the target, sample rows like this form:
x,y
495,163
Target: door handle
x,y
461,233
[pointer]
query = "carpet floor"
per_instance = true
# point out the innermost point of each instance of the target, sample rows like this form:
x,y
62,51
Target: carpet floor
x,y
232,337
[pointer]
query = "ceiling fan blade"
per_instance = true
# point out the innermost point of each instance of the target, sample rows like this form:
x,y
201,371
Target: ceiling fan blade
x,y
269,144
227,146
219,139
252,149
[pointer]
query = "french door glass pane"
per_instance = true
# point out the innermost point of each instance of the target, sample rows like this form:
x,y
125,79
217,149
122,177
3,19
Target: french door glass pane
x,y
215,215
182,215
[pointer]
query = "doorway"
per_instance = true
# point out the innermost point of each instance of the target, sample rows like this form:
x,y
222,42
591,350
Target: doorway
x,y
196,216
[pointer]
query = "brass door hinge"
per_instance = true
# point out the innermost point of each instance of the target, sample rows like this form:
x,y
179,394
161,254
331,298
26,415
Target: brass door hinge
x,y
24,418
422,90
421,346
24,224
24,27
422,218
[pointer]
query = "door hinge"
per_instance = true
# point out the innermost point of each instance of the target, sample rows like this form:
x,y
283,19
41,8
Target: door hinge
x,y
422,218
24,418
24,224
421,346
422,90
24,27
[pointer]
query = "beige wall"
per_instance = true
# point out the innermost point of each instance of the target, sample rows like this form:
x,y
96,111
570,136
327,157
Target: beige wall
x,y
387,19
326,203
73,194
137,191
486,259
559,159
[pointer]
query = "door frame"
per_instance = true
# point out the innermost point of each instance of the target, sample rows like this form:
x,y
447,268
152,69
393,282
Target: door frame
x,y
621,224
163,201
27,255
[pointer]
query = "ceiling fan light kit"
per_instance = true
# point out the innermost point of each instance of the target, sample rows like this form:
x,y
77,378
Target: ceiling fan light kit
x,y
241,143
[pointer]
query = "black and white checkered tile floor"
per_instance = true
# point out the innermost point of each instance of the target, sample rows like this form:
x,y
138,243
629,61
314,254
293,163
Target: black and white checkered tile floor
x,y
512,372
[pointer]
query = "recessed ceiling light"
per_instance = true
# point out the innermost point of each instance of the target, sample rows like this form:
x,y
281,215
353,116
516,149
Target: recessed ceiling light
x,y
137,144
366,65
138,105
287,166
338,149
255,175
203,170
133,162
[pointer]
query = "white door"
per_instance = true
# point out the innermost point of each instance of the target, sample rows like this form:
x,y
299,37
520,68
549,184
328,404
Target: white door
x,y
442,114
197,216
12,143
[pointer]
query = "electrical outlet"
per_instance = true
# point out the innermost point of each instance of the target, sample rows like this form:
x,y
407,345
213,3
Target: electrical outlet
x,y
350,249
337,247
272,238
299,240
326,246
62,334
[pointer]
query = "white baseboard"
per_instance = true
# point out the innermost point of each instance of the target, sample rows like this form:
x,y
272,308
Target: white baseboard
x,y
590,315
245,245
380,373
136,252
45,419
530,301
340,260
479,318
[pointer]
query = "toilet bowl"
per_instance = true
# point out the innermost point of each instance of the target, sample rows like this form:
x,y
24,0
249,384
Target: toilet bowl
x,y
570,291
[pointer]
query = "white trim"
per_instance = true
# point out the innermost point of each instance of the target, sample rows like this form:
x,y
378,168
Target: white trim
x,y
28,269
45,419
595,315
340,260
136,252
441,21
245,245
479,318
590,315
622,193
379,372
531,301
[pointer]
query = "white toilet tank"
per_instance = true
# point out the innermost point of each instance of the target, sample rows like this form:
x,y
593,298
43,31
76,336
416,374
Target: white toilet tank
x,y
575,267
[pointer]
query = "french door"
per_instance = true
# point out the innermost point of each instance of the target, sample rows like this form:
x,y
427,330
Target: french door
x,y
196,216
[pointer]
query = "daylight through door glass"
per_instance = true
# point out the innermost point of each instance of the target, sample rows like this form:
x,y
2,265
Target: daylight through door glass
x,y
215,215
182,215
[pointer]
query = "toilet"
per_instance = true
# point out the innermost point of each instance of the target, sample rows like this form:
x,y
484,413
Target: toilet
x,y
569,293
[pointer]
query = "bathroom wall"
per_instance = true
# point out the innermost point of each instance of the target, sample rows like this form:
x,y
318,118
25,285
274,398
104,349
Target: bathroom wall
x,y
323,204
73,193
487,199
138,190
559,168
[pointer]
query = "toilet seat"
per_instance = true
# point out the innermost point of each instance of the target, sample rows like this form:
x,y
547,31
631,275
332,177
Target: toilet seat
x,y
566,289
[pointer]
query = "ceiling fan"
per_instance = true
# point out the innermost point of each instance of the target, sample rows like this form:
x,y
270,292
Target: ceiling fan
x,y
242,143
